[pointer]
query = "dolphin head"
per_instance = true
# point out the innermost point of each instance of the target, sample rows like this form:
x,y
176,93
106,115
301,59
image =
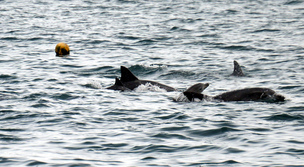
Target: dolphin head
x,y
279,97
237,71
271,96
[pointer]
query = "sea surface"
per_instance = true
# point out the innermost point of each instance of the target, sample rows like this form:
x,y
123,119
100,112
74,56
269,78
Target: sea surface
x,y
57,111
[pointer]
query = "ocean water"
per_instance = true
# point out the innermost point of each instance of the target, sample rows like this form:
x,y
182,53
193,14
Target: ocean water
x,y
56,111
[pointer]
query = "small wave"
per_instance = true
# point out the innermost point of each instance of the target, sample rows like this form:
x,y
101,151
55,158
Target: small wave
x,y
293,2
71,66
260,129
39,105
93,85
52,120
34,39
175,128
170,135
103,147
146,69
227,162
290,87
176,115
35,163
12,130
94,71
10,138
204,148
231,11
34,96
179,74
148,158
149,87
212,132
233,150
295,142
127,1
4,160
237,47
266,30
285,117
9,38
6,97
295,108
115,145
115,113
179,29
20,116
157,148
129,37
4,111
296,150
146,42
97,42
64,96
5,77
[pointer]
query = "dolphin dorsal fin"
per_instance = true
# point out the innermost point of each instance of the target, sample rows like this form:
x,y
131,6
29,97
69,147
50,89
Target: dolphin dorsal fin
x,y
127,75
118,82
237,71
197,88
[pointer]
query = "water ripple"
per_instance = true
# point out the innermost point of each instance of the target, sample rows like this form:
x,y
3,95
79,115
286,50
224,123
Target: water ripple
x,y
285,117
212,132
157,148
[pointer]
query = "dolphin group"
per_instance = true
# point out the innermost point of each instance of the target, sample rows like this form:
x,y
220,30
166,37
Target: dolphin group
x,y
128,81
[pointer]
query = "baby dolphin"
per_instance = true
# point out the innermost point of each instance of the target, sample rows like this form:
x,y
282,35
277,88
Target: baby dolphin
x,y
129,81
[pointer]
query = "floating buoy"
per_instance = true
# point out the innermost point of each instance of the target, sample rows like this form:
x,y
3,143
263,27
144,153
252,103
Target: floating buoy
x,y
62,49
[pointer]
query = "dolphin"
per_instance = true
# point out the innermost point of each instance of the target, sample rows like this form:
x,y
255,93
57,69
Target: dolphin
x,y
128,81
193,93
247,94
118,86
251,94
237,70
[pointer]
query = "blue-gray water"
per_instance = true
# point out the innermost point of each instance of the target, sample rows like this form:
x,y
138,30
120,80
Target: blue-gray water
x,y
56,111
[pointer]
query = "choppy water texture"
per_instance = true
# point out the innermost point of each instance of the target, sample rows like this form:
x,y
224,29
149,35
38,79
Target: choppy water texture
x,y
56,111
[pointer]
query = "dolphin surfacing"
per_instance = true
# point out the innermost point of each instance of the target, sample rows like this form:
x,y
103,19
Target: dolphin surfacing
x,y
118,85
251,94
237,70
129,81
193,93
247,94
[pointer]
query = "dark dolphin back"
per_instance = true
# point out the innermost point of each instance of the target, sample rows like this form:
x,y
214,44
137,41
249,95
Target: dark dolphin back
x,y
237,70
250,94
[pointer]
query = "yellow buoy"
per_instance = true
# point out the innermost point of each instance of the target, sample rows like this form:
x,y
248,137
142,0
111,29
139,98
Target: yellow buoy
x,y
62,49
